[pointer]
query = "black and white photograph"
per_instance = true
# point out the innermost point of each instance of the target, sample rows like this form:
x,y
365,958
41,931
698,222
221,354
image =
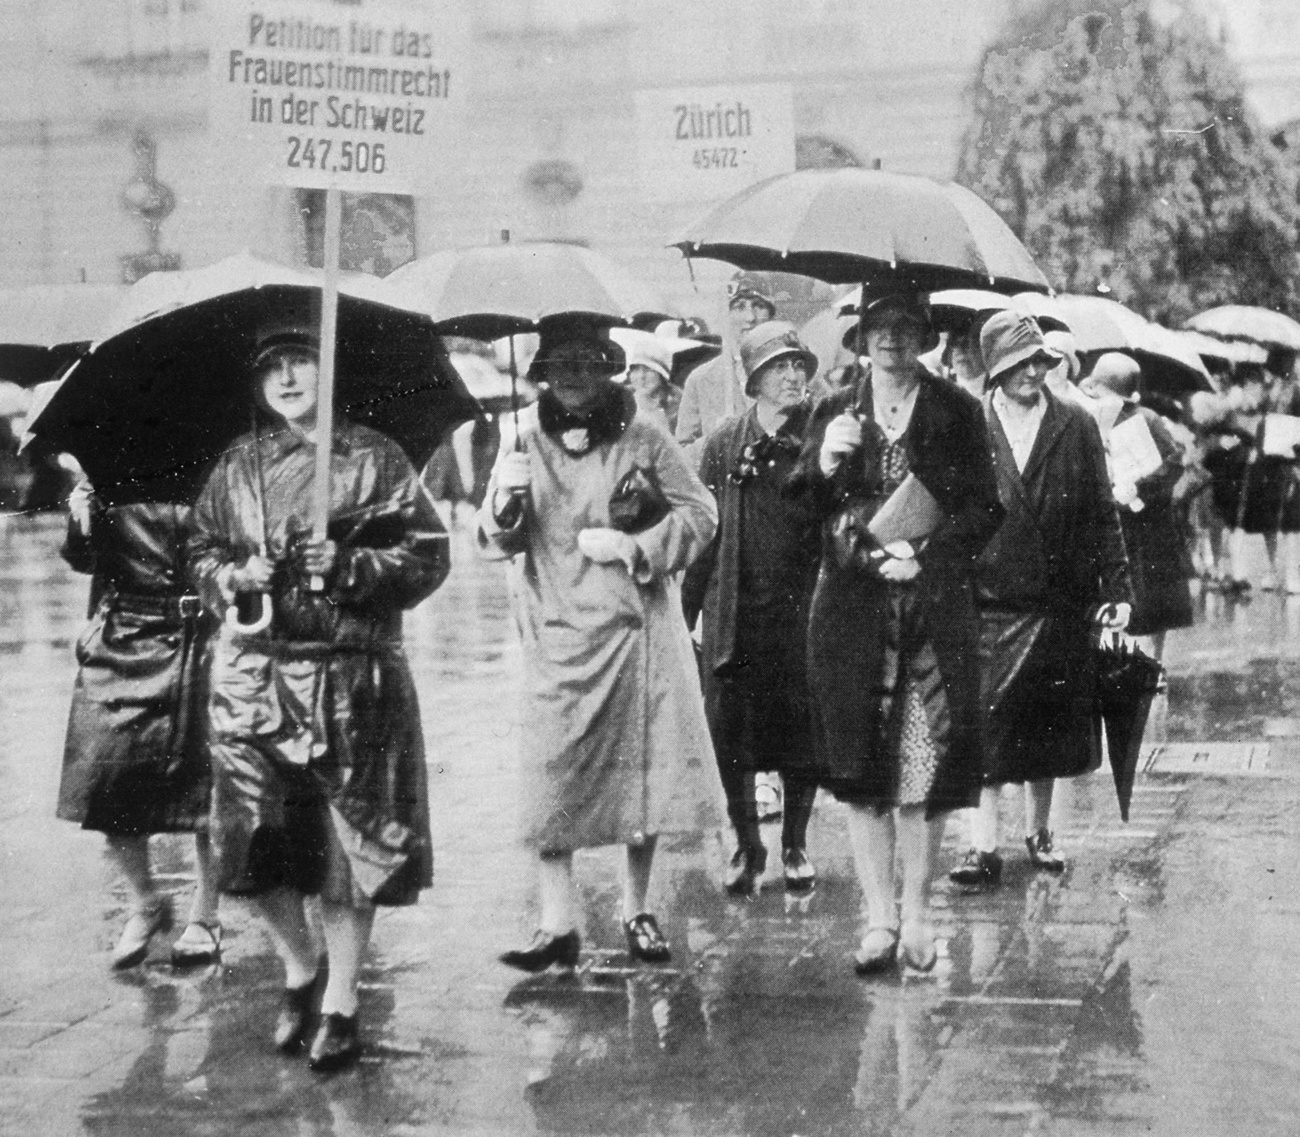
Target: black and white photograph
x,y
712,568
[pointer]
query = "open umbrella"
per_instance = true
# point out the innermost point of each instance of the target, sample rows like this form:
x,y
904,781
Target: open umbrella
x,y
1127,682
892,232
1169,364
1246,322
45,327
1229,351
163,391
493,291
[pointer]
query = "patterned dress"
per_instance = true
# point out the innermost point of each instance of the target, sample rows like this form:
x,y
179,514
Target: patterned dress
x,y
914,703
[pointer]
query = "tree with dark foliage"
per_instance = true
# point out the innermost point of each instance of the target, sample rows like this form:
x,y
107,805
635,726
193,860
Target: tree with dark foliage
x,y
1119,147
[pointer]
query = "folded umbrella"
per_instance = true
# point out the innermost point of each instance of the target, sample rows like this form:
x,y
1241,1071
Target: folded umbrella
x,y
892,232
1127,683
1246,322
165,388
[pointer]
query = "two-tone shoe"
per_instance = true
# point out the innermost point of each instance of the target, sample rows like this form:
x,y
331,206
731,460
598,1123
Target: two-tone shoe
x,y
1041,853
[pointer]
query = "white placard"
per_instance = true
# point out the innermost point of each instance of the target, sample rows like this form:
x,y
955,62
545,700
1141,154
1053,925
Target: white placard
x,y
322,95
1134,454
704,143
1281,435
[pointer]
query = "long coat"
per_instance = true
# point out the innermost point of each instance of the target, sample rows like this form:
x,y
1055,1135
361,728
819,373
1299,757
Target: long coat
x,y
136,757
327,686
1057,556
1158,561
948,452
614,744
711,591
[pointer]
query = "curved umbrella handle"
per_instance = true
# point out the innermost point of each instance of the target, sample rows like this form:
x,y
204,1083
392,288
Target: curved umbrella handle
x,y
259,624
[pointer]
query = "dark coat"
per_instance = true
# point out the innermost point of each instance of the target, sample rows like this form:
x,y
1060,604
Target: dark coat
x,y
136,759
1158,561
774,673
330,672
1057,556
948,452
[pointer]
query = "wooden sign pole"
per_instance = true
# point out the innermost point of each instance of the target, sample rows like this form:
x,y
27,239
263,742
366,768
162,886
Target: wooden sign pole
x,y
329,313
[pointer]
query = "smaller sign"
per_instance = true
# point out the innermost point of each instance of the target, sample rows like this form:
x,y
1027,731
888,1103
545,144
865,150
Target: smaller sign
x,y
704,143
325,95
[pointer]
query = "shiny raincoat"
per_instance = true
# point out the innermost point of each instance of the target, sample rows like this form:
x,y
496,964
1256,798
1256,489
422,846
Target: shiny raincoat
x,y
615,746
326,688
136,758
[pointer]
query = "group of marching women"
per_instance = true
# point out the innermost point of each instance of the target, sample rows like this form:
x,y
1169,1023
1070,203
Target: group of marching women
x,y
902,675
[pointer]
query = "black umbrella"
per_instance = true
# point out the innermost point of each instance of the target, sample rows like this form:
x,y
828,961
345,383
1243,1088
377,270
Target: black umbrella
x,y
156,400
1127,682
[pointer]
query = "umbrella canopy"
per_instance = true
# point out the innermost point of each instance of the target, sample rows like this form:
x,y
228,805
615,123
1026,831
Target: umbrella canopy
x,y
45,327
164,390
1169,364
893,232
1244,322
500,290
1230,351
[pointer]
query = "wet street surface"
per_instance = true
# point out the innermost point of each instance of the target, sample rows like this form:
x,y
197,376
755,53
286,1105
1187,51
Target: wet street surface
x,y
1149,989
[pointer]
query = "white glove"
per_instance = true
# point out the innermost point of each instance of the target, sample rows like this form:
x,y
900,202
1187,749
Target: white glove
x,y
1114,617
513,474
1126,494
609,546
843,437
79,506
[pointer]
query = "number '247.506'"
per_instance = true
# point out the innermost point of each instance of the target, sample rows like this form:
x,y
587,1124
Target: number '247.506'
x,y
345,158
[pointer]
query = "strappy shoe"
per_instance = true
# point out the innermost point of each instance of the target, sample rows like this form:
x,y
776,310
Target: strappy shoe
x,y
877,951
144,923
645,942
200,943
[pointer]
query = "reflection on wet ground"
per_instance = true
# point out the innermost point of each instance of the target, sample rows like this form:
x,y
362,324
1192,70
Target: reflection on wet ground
x,y
758,1026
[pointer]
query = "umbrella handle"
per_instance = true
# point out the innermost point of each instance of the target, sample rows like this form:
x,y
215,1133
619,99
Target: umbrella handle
x,y
259,624
514,393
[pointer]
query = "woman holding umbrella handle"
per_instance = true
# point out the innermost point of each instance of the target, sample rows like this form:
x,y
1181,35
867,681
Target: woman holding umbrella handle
x,y
317,755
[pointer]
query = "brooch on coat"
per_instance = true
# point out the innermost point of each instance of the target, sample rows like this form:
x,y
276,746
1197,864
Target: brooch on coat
x,y
760,453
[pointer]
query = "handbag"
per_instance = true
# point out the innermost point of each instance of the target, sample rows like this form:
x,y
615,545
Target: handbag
x,y
865,526
637,503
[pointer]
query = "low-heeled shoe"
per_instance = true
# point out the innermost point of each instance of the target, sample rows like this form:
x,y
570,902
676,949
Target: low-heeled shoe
x,y
800,876
336,1043
644,939
142,925
298,1008
745,870
1041,853
916,948
879,955
547,948
200,943
978,870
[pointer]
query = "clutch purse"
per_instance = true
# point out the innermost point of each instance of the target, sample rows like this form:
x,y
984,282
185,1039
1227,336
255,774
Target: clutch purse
x,y
637,503
864,526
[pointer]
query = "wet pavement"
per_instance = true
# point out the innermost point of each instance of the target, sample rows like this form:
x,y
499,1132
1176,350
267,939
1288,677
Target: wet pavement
x,y
1150,989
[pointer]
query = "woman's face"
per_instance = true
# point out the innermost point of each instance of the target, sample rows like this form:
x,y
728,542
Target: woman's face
x,y
895,340
288,389
577,377
783,383
1023,382
647,385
